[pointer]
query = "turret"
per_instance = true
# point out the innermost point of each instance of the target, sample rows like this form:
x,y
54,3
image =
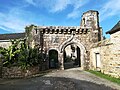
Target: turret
x,y
90,21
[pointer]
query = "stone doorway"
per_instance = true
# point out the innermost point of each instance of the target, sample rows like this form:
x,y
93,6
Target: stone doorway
x,y
53,59
71,56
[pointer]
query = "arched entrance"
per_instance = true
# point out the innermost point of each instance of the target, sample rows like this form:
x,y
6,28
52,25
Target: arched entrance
x,y
53,58
71,56
81,52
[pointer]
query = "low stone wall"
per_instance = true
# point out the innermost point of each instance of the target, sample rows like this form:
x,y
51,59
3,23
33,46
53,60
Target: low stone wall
x,y
17,72
109,60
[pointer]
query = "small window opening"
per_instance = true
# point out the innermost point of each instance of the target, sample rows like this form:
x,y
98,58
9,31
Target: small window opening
x,y
36,31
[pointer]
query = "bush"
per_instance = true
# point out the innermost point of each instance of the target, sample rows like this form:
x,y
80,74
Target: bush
x,y
20,54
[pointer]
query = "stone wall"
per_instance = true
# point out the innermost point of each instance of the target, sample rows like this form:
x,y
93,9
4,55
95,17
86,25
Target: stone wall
x,y
58,41
109,60
59,37
17,72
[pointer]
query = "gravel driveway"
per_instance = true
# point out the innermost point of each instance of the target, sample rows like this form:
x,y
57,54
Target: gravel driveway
x,y
70,79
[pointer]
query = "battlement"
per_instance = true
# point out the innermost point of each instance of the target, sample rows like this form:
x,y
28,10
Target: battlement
x,y
62,29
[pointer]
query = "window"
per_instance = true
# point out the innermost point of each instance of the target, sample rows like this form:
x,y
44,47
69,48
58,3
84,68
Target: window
x,y
36,31
83,20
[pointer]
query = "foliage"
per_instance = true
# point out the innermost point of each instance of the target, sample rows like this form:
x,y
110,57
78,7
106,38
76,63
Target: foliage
x,y
27,56
20,54
10,54
116,80
28,30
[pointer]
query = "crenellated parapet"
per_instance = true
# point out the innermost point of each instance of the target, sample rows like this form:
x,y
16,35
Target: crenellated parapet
x,y
62,29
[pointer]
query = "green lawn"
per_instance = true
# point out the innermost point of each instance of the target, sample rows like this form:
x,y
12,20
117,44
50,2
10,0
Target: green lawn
x,y
112,79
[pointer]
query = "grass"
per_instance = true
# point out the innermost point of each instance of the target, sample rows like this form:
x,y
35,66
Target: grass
x,y
112,79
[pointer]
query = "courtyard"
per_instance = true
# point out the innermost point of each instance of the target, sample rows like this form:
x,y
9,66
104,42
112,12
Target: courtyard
x,y
69,79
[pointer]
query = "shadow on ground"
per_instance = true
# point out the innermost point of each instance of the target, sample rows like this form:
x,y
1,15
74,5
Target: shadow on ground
x,y
51,83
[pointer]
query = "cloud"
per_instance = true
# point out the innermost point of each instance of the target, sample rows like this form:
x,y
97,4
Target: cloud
x,y
4,28
50,5
74,14
54,6
77,6
60,5
14,20
17,18
111,8
31,2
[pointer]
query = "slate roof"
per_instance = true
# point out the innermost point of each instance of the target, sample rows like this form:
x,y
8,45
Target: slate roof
x,y
12,36
114,29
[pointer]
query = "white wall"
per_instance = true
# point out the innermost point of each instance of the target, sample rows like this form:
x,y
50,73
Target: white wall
x,y
5,44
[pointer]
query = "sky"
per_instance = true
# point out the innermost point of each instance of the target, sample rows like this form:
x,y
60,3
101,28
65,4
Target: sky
x,y
16,14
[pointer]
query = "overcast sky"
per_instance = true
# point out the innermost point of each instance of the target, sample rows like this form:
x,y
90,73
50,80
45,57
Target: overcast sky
x,y
16,14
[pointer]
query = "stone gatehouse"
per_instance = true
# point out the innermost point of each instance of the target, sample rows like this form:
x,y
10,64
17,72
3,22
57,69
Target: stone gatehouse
x,y
74,46
74,41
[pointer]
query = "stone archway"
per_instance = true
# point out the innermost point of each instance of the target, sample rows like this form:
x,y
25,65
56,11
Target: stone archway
x,y
71,56
82,51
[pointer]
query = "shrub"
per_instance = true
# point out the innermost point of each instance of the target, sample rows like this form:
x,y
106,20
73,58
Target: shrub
x,y
20,54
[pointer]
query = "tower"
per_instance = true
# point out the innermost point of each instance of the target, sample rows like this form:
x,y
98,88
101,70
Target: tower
x,y
90,21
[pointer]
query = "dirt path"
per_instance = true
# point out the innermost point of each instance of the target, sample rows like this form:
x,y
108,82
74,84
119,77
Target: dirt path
x,y
71,79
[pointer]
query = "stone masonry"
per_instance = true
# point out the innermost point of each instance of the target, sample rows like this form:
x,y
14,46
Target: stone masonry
x,y
17,72
107,54
58,37
95,53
